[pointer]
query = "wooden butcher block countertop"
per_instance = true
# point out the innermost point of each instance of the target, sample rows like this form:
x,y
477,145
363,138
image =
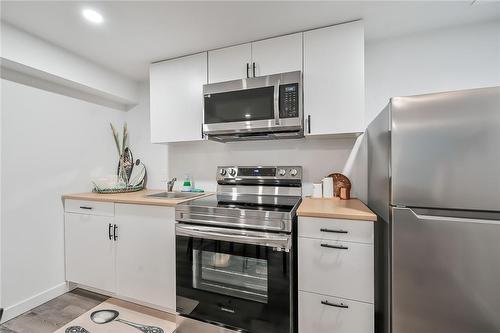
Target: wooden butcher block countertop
x,y
335,208
137,198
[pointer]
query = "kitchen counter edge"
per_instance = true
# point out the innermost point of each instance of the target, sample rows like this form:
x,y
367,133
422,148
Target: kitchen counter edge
x,y
136,198
335,208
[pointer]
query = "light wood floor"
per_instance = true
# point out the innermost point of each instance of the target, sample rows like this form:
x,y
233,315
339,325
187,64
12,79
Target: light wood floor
x,y
54,314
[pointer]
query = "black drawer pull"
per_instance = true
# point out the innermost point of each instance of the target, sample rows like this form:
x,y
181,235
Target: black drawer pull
x,y
109,231
115,236
340,247
341,305
85,207
334,231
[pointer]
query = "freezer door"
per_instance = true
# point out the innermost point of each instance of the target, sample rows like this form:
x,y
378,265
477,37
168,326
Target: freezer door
x,y
446,150
445,274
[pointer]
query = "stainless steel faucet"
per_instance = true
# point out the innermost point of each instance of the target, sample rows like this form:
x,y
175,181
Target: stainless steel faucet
x,y
170,184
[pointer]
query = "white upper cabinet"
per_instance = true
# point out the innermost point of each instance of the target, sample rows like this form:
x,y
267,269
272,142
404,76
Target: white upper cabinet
x,y
277,55
334,91
176,98
265,57
230,63
331,58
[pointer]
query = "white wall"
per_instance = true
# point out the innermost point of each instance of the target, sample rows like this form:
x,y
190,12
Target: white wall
x,y
51,144
449,59
154,156
24,52
318,157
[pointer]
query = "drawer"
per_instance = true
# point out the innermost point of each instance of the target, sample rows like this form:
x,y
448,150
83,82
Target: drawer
x,y
89,207
350,317
336,268
336,229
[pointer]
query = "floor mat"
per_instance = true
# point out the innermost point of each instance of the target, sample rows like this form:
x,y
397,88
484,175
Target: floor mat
x,y
117,316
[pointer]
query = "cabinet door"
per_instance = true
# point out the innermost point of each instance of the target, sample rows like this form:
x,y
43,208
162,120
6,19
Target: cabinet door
x,y
145,254
336,229
327,314
350,265
89,251
229,63
176,96
277,55
334,79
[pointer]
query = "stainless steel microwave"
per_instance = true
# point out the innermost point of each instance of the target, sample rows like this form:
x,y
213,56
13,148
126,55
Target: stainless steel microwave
x,y
258,108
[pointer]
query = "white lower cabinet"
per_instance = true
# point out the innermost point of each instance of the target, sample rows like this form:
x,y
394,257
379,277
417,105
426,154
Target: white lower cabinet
x,y
90,254
129,255
351,264
336,229
327,314
145,254
336,276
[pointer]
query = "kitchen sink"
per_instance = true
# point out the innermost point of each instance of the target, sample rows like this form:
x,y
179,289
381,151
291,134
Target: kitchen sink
x,y
174,195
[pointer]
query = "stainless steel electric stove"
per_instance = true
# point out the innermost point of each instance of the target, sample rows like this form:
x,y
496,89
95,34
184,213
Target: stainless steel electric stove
x,y
236,253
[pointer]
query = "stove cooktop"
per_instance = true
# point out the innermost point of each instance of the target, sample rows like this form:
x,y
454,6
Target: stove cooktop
x,y
248,197
248,202
266,212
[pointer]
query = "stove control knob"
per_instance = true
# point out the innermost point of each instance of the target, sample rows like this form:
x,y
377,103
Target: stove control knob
x,y
232,172
282,172
222,172
293,172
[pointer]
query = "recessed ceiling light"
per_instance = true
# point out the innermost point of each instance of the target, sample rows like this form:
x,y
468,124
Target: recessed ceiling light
x,y
92,16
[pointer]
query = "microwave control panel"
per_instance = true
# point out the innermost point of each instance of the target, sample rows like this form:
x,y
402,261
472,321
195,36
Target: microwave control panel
x,y
289,100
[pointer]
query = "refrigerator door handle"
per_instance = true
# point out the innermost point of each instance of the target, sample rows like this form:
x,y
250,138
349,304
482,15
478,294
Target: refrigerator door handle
x,y
444,218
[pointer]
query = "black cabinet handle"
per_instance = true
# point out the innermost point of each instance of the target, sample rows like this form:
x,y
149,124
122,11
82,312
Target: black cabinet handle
x,y
202,130
341,305
339,247
309,124
85,207
253,69
109,231
334,231
248,69
115,236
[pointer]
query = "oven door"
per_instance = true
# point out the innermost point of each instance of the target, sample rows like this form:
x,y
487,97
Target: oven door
x,y
238,279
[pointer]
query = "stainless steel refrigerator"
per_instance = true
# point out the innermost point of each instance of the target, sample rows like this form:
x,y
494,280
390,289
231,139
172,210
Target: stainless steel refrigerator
x,y
434,182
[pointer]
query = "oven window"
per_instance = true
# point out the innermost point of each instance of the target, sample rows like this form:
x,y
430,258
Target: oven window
x,y
242,105
232,275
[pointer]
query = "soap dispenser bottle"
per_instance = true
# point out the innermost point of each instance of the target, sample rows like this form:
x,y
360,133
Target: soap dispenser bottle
x,y
187,185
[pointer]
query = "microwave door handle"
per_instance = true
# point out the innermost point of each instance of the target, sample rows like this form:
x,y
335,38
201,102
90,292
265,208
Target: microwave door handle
x,y
277,103
279,242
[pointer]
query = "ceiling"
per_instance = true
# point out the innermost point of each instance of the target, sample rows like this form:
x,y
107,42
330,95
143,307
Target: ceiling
x,y
135,33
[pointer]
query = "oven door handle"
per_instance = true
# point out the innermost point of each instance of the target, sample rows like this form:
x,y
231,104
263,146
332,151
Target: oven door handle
x,y
279,242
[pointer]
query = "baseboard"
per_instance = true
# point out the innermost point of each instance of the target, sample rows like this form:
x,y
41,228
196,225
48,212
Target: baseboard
x,y
34,301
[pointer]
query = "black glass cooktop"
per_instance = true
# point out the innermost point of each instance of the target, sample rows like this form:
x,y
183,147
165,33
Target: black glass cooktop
x,y
247,202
